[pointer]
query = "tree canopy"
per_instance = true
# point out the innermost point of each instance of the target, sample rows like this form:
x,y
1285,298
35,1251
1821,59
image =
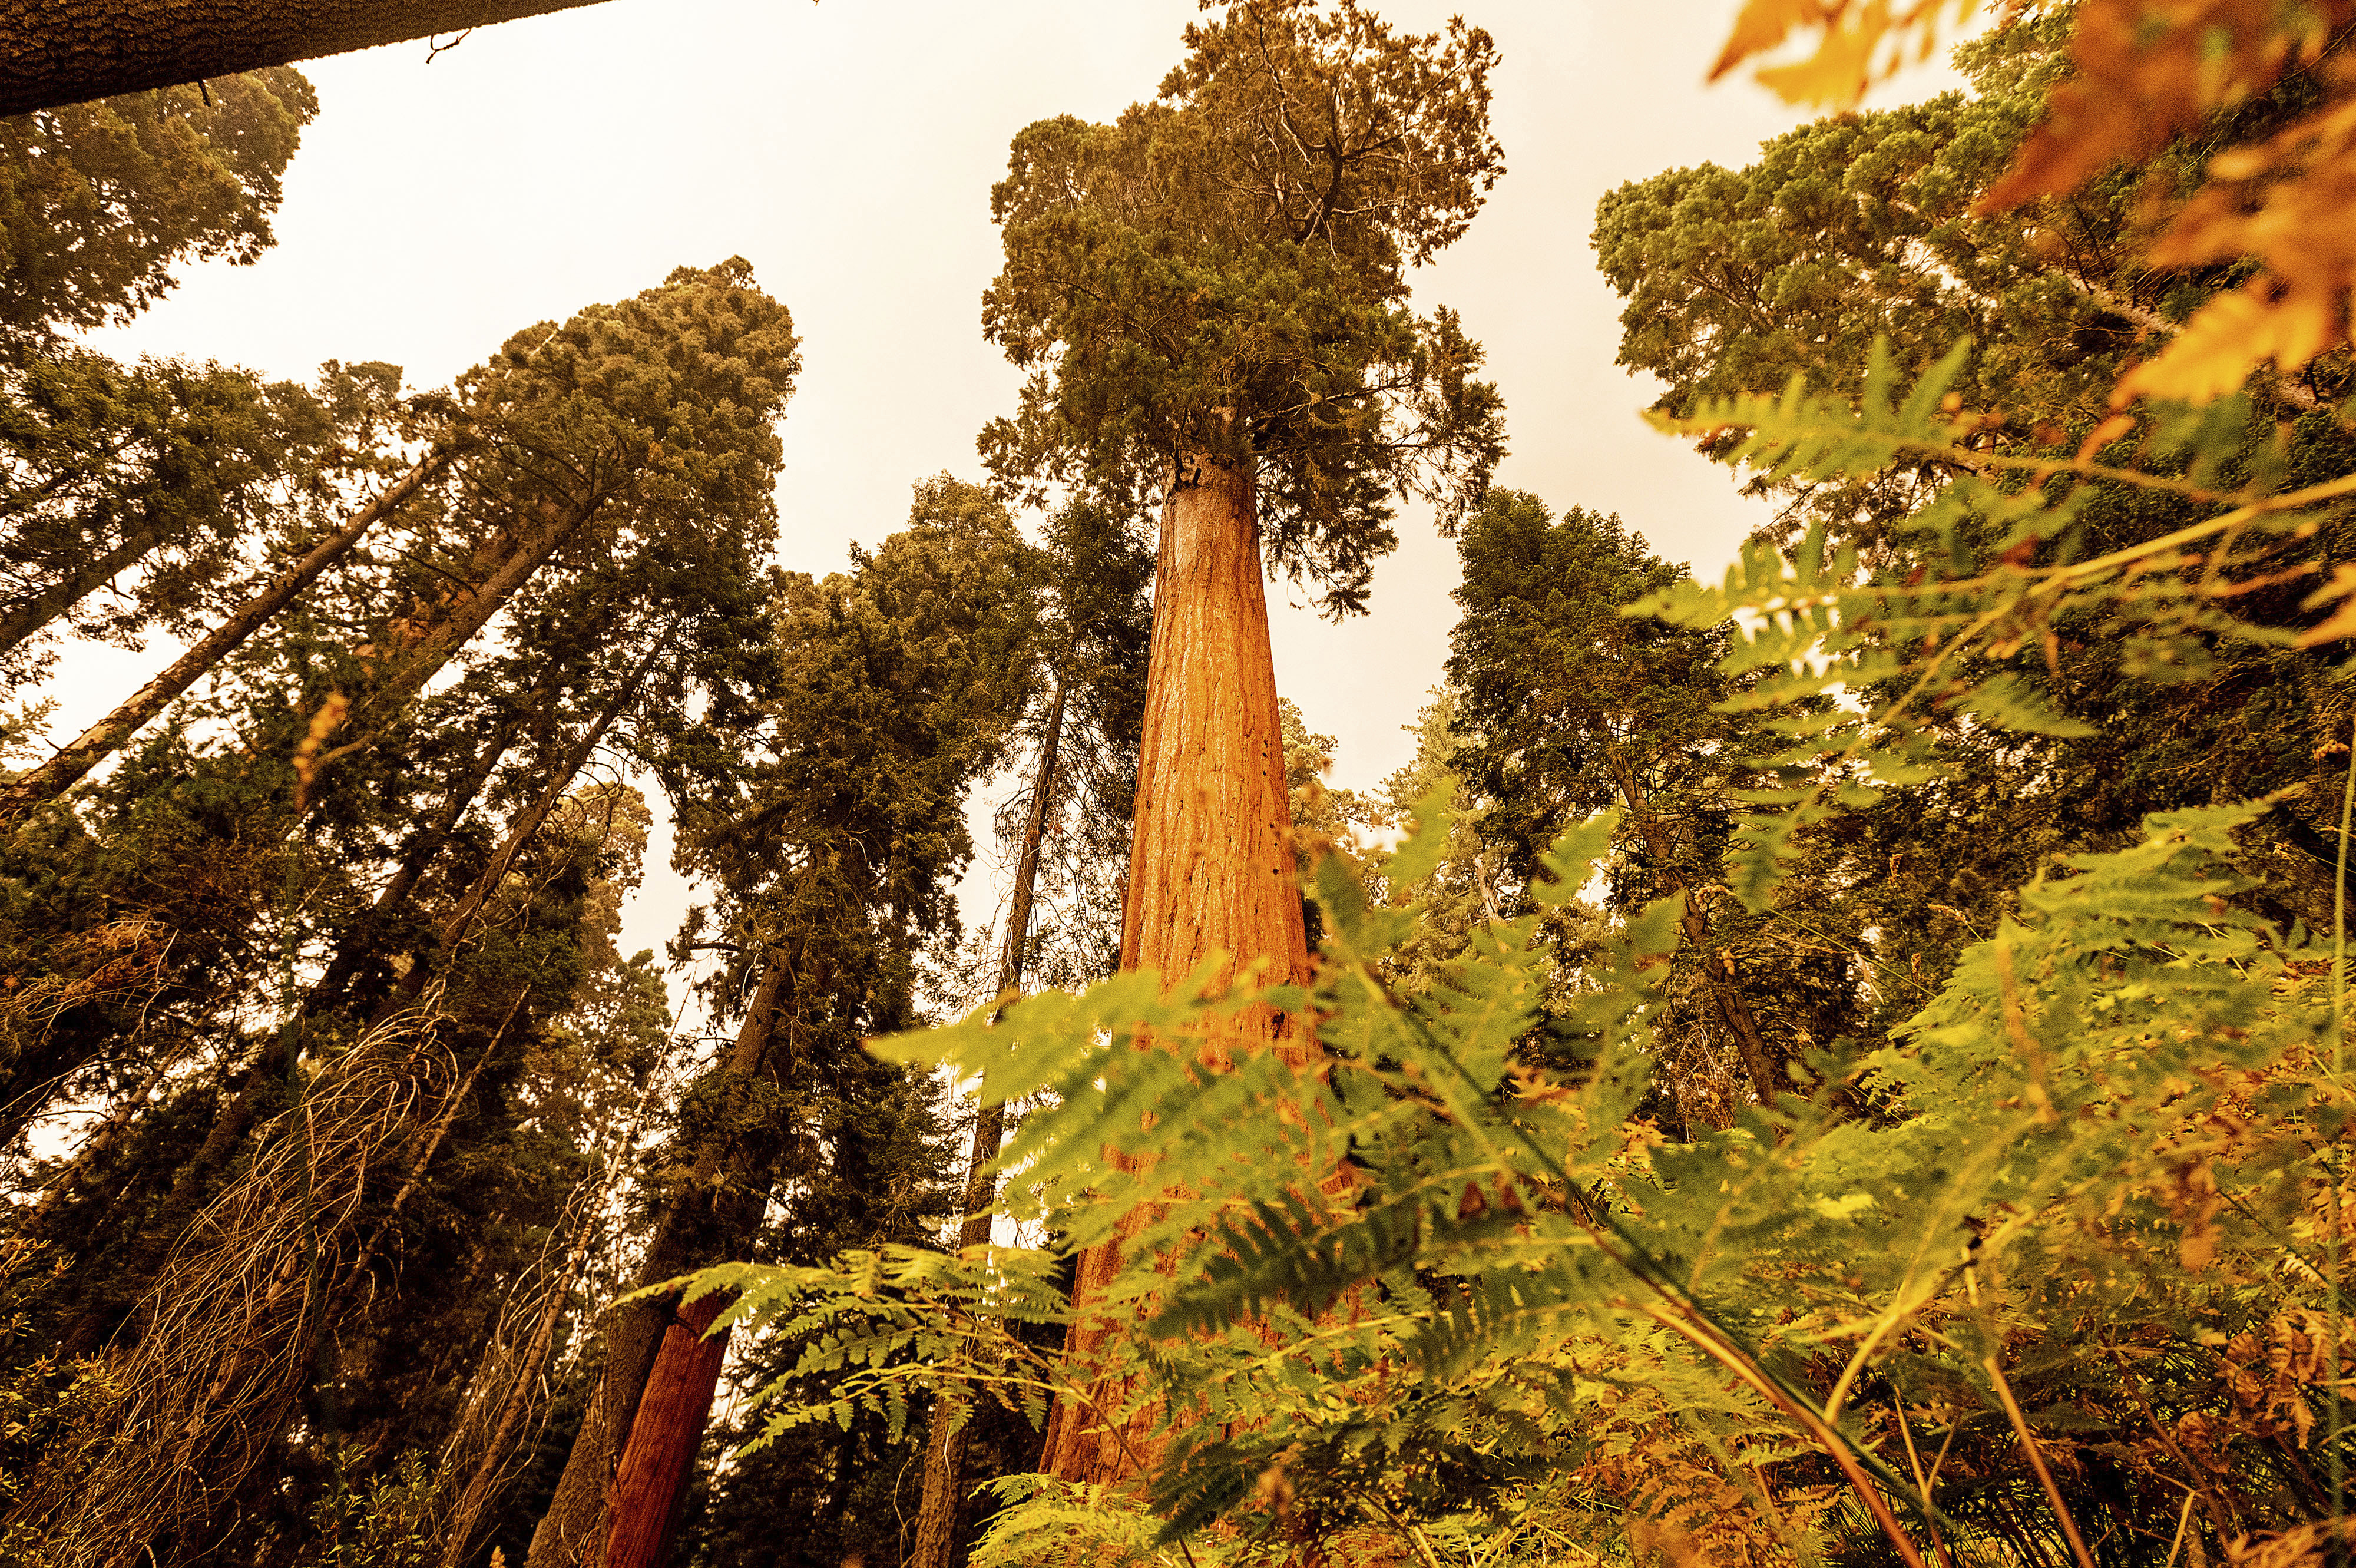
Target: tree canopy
x,y
1224,271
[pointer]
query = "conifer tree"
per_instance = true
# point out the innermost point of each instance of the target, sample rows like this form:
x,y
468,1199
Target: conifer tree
x,y
151,470
834,848
1209,297
1068,834
99,200
1875,227
157,474
657,410
1566,707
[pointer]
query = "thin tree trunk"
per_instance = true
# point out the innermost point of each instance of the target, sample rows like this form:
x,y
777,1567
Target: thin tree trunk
x,y
30,615
1210,865
946,1438
360,947
483,1485
693,1229
74,760
651,1480
65,52
519,833
468,616
94,1148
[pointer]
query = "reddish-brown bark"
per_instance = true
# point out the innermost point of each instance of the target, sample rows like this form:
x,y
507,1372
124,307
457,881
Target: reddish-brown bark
x,y
643,1505
1210,866
716,1215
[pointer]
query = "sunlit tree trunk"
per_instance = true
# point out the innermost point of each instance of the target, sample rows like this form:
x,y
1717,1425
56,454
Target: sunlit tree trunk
x,y
947,1439
64,52
1210,865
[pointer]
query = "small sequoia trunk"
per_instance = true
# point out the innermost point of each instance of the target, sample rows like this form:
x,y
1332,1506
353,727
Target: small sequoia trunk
x,y
719,1213
64,52
652,1476
1210,865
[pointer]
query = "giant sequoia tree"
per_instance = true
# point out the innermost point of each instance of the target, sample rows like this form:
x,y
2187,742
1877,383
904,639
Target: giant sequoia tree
x,y
1210,295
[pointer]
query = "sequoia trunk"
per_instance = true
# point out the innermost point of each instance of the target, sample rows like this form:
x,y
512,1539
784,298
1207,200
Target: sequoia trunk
x,y
720,1209
1211,865
652,1475
64,52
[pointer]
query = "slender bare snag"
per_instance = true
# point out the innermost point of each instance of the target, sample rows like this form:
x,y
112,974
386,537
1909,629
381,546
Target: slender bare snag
x,y
948,1438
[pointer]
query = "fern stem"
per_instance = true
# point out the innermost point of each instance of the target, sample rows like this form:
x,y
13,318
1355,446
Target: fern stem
x,y
2338,1053
1921,1485
2037,1462
1675,1310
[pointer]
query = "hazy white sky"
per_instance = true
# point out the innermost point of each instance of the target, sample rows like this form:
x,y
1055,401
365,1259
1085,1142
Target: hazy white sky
x,y
847,149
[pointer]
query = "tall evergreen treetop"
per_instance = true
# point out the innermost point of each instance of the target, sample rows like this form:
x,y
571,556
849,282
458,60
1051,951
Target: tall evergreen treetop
x,y
1222,272
896,686
671,396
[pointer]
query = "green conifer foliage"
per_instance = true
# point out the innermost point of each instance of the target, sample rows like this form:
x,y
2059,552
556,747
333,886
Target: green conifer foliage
x,y
833,847
1222,271
98,200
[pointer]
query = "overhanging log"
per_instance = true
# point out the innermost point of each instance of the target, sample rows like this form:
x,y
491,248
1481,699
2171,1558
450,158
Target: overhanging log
x,y
64,52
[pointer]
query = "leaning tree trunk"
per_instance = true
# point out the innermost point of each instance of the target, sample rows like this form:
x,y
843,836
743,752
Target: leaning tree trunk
x,y
361,947
459,617
721,1207
947,1437
1210,865
458,925
95,745
26,618
63,51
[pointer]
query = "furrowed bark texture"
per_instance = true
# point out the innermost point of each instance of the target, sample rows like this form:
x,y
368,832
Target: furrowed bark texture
x,y
698,1228
1211,869
651,1478
95,745
947,1439
64,52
